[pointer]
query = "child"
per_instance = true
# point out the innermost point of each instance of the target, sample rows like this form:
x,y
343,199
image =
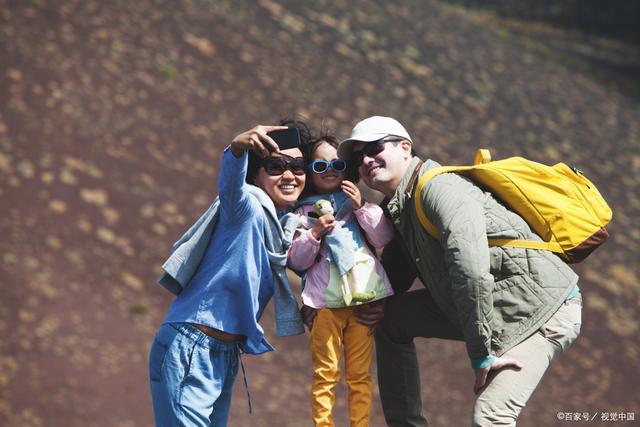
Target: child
x,y
341,271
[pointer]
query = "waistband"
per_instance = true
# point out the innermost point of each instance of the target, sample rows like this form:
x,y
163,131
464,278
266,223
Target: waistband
x,y
204,340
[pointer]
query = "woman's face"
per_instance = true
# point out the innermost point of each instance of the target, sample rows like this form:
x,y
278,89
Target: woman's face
x,y
284,189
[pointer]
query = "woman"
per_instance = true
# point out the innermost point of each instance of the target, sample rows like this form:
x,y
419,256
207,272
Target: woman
x,y
224,271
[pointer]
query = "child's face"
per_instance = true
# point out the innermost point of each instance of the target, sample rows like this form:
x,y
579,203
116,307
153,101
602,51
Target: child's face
x,y
329,181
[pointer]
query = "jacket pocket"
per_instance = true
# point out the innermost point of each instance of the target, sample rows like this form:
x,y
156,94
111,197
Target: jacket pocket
x,y
515,300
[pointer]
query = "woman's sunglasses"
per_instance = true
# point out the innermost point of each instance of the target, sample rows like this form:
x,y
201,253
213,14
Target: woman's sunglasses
x,y
322,166
275,166
371,149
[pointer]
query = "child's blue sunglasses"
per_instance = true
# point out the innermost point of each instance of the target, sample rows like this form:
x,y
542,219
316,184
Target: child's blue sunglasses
x,y
321,166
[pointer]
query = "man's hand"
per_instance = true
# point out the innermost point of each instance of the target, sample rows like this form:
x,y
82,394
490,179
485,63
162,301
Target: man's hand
x,y
308,315
370,314
496,364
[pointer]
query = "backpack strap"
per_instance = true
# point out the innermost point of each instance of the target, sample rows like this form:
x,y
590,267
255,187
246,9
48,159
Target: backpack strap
x,y
417,199
527,244
414,175
481,158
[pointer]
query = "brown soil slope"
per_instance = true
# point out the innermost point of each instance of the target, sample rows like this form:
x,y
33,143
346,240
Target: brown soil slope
x,y
112,118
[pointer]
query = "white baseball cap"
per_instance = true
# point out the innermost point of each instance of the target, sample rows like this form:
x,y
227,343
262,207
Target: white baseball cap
x,y
372,129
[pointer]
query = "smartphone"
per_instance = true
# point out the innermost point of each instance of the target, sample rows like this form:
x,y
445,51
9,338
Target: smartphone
x,y
285,138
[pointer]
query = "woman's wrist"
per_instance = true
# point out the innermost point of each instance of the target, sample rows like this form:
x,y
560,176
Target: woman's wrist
x,y
236,150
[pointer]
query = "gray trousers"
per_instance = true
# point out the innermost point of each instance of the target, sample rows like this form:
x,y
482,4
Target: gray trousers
x,y
415,314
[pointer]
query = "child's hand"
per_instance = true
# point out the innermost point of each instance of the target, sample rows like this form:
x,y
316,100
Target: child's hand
x,y
353,193
323,225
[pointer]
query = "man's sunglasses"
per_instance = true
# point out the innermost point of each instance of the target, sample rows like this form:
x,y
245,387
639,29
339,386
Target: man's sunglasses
x,y
322,166
275,166
371,149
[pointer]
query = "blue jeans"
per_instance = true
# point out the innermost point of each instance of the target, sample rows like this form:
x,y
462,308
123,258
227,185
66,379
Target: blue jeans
x,y
191,377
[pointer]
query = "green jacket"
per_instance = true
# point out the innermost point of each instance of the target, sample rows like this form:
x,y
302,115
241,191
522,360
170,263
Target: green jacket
x,y
498,296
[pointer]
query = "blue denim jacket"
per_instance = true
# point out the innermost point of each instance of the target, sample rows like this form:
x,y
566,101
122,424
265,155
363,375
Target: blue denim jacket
x,y
224,276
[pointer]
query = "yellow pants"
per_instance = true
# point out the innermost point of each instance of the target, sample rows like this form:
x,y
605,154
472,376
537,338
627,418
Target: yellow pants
x,y
333,329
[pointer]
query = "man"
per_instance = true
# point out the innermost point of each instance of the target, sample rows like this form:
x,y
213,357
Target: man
x,y
516,309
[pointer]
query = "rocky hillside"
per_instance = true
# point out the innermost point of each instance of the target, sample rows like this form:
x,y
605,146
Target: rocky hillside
x,y
112,118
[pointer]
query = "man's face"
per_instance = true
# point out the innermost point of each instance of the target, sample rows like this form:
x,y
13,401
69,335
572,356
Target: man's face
x,y
383,169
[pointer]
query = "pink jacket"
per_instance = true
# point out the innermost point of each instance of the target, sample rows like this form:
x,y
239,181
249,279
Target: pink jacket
x,y
311,255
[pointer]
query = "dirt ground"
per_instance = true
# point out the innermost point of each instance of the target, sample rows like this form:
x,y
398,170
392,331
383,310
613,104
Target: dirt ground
x,y
113,115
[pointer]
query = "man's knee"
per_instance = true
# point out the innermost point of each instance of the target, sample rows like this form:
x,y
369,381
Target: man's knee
x,y
496,410
487,415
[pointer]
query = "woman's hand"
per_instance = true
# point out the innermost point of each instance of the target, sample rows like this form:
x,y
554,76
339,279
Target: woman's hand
x,y
323,225
255,139
353,193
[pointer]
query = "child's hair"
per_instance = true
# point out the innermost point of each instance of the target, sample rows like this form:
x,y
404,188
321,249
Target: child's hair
x,y
326,137
305,139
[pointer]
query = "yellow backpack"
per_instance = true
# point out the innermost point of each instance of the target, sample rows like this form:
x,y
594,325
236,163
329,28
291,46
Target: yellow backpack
x,y
559,203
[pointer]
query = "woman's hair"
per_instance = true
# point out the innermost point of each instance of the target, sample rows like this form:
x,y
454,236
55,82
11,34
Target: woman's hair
x,y
305,140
